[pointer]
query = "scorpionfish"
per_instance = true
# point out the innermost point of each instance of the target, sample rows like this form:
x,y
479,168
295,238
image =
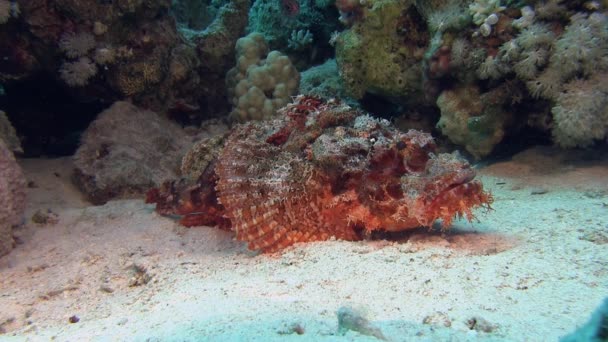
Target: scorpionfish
x,y
322,170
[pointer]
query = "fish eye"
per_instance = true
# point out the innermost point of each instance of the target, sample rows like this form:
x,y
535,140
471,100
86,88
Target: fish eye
x,y
416,161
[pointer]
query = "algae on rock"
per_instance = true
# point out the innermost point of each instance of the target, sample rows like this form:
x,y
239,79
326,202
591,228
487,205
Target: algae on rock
x,y
382,53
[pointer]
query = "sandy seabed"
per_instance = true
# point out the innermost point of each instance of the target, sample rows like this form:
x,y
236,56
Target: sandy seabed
x,y
533,269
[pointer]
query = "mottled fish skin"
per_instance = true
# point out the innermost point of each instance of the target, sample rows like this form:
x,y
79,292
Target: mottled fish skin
x,y
325,170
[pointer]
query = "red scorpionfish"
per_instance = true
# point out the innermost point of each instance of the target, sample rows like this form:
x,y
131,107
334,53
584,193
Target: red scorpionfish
x,y
322,170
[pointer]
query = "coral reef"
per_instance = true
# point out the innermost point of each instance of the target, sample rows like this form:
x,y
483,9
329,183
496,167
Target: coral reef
x,y
76,34
12,197
211,58
538,58
481,10
558,50
300,40
473,120
323,170
109,50
126,150
261,82
580,53
382,54
277,20
581,112
322,81
194,15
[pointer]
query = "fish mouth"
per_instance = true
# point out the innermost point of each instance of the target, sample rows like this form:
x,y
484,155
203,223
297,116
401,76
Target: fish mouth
x,y
458,200
461,178
460,193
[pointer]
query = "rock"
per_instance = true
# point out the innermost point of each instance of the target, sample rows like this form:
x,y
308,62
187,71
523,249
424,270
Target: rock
x,y
127,150
12,197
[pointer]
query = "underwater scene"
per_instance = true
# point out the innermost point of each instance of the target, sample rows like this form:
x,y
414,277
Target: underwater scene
x,y
304,170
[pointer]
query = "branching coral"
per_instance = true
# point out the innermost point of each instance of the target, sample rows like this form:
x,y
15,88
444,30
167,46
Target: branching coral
x,y
560,67
580,51
300,40
551,9
526,55
492,68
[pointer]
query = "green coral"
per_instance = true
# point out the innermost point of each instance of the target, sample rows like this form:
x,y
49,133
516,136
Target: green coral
x,y
376,56
322,81
194,14
273,20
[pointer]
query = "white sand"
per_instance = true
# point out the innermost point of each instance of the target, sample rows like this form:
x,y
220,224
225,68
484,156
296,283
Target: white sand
x,y
533,269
